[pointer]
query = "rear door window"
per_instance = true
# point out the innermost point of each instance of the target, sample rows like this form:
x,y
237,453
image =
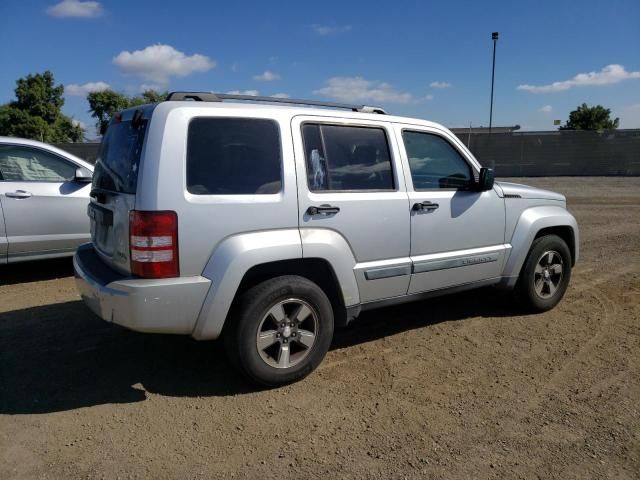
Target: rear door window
x,y
233,156
347,158
27,164
118,159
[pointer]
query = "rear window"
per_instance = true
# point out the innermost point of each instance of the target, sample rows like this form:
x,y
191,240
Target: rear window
x,y
119,157
233,156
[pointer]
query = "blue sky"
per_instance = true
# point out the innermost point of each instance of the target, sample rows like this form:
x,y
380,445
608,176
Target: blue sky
x,y
425,59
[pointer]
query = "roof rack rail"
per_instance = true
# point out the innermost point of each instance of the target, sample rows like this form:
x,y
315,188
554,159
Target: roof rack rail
x,y
219,97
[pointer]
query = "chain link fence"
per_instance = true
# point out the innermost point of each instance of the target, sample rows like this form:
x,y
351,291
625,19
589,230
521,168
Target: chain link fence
x,y
557,153
526,154
85,151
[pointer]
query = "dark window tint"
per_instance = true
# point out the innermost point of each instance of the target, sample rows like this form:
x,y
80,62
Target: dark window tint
x,y
119,157
347,158
26,164
231,156
434,162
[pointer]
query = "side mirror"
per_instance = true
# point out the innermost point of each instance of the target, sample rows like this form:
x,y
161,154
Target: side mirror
x,y
83,175
485,180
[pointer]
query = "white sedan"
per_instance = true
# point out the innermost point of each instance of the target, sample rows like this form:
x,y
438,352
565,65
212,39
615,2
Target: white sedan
x,y
44,193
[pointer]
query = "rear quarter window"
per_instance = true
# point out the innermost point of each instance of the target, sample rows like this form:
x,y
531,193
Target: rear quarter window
x,y
233,156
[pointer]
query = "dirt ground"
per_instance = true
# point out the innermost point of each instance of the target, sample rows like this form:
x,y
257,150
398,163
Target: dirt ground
x,y
460,387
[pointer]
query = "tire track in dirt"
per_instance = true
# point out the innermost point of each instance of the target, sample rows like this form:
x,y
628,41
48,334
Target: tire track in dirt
x,y
572,366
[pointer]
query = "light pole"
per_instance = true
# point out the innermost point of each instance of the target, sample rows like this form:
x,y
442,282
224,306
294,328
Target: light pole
x,y
494,37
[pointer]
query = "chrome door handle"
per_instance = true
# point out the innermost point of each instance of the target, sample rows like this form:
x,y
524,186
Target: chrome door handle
x,y
323,210
422,206
18,194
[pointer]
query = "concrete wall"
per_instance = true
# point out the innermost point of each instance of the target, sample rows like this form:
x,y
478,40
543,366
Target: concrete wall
x,y
527,154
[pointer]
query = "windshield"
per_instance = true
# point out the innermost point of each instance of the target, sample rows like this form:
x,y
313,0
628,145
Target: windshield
x,y
119,157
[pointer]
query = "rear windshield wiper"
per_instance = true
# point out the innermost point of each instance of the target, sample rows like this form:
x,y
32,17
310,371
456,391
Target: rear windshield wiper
x,y
100,194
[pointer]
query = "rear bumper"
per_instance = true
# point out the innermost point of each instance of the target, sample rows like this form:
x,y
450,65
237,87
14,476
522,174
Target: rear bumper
x,y
168,305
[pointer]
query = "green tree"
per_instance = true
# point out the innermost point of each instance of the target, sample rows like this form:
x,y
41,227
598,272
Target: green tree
x,y
104,105
36,113
590,118
151,96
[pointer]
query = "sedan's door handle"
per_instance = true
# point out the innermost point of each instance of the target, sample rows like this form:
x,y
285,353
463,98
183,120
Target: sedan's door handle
x,y
323,210
18,194
422,206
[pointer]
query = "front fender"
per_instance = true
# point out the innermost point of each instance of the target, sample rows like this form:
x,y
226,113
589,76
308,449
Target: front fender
x,y
531,221
231,259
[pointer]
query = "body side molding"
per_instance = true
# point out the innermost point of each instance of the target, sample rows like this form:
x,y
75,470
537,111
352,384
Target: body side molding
x,y
458,258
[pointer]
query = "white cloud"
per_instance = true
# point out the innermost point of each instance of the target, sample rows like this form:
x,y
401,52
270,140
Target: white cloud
x,y
78,123
439,84
75,8
629,116
150,86
158,63
546,109
352,89
608,75
281,95
267,76
235,67
76,90
326,30
428,97
253,93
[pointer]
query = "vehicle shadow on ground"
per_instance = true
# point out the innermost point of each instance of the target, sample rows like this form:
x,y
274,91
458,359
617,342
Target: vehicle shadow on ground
x,y
60,357
37,271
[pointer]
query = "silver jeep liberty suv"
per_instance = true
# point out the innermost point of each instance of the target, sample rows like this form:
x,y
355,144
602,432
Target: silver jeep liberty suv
x,y
267,222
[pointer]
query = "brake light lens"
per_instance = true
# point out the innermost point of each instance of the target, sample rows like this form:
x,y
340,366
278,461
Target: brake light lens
x,y
153,244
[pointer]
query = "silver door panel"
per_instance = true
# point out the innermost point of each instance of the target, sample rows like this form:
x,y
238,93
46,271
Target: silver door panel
x,y
460,238
53,217
375,224
462,220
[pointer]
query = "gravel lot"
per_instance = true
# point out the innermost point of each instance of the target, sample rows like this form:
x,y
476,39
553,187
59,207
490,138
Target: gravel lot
x,y
464,386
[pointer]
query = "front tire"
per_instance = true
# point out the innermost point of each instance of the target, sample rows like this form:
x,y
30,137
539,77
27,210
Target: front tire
x,y
545,274
280,330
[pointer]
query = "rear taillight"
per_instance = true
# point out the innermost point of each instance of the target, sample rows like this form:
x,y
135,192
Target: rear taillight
x,y
153,244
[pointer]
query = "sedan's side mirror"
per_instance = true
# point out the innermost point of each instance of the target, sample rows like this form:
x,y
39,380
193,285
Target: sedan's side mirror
x,y
83,175
485,179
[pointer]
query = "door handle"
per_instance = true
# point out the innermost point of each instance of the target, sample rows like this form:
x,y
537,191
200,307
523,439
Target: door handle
x,y
323,210
425,206
18,194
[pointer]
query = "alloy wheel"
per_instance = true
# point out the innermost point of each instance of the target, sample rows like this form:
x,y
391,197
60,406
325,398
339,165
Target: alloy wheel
x,y
548,274
287,333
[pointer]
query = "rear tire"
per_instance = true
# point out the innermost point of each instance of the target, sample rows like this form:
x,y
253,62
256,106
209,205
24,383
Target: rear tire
x,y
545,275
280,330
